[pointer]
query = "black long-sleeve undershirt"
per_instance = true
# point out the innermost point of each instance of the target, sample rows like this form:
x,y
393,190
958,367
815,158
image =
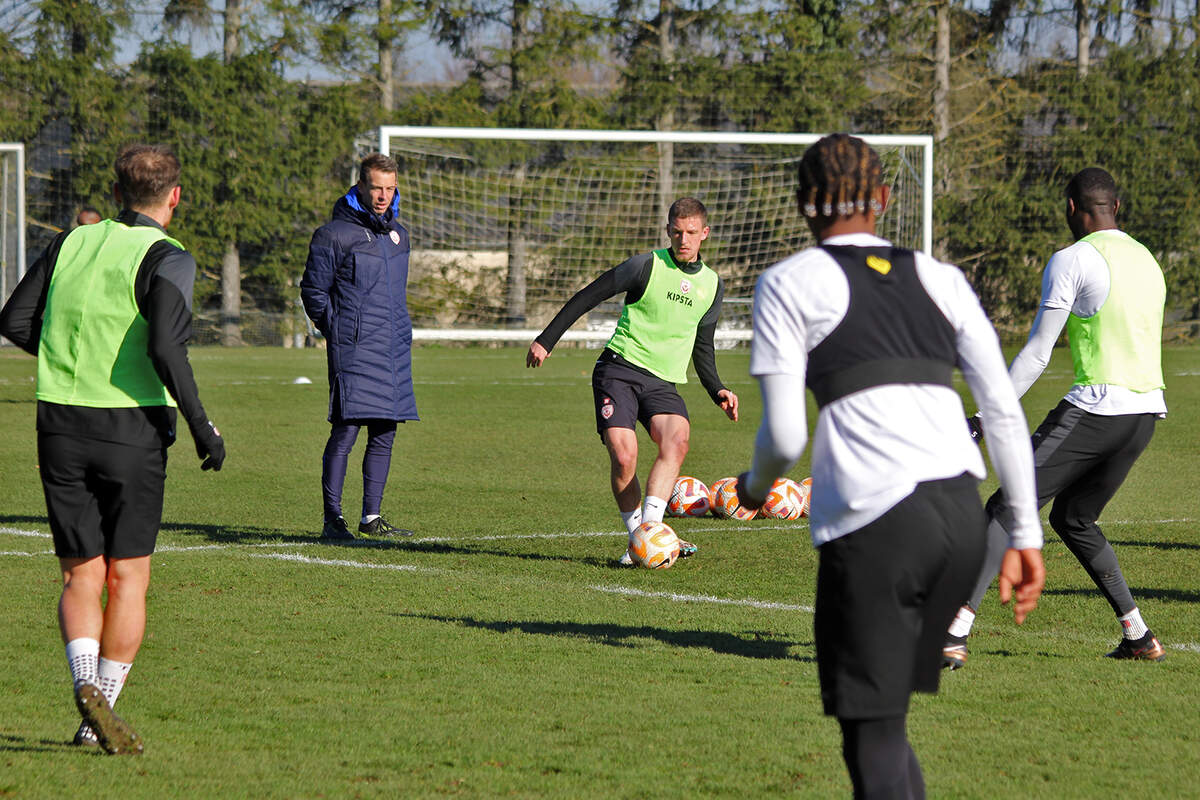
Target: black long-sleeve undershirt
x,y
632,276
163,291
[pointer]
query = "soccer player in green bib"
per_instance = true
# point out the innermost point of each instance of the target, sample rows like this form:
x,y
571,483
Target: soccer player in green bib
x,y
1108,291
672,304
107,310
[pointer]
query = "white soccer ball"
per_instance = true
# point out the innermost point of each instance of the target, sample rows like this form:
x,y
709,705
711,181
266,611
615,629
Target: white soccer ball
x,y
787,499
689,498
654,545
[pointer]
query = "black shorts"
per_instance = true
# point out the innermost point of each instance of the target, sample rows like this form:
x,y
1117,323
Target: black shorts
x,y
1080,460
886,594
103,498
625,396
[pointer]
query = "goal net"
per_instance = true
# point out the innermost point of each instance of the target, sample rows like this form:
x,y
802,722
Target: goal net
x,y
12,217
507,224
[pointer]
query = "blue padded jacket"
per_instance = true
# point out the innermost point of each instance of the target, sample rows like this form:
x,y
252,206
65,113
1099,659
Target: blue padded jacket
x,y
354,290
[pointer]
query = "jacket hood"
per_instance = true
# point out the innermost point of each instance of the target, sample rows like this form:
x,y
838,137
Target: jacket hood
x,y
349,207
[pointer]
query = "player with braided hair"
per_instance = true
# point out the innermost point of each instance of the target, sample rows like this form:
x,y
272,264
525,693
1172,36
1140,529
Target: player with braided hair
x,y
840,173
876,331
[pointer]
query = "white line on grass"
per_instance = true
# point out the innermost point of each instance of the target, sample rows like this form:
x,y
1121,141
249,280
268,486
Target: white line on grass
x,y
501,536
701,598
187,548
584,534
621,590
339,562
22,532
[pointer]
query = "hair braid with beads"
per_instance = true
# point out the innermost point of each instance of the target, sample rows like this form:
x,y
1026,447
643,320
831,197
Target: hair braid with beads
x,y
838,177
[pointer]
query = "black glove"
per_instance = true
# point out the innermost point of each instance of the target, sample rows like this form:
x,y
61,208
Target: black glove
x,y
975,426
209,446
744,499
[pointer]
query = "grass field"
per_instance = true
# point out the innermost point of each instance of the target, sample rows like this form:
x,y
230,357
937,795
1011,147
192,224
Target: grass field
x,y
500,653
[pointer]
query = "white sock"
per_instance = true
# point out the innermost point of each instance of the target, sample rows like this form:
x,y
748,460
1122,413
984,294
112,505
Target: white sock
x,y
963,620
369,518
632,519
111,675
1132,625
82,655
653,509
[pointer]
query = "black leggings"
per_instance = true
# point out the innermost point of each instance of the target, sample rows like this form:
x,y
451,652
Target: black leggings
x,y
881,762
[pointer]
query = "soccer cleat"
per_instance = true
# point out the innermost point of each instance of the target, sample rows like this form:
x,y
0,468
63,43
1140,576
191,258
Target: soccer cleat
x,y
686,549
954,653
336,529
113,733
626,560
381,527
85,736
1147,648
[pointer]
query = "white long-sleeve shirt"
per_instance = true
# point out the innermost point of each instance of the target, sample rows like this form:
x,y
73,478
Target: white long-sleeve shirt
x,y
1076,281
873,447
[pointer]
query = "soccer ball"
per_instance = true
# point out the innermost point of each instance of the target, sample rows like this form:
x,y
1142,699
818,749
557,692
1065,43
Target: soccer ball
x,y
689,498
654,545
787,499
724,500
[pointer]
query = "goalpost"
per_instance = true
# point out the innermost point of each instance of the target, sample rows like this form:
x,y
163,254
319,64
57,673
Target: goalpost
x,y
506,224
12,217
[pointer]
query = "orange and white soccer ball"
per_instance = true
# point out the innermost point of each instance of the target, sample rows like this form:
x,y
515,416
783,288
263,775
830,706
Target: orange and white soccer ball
x,y
689,498
787,499
724,500
654,545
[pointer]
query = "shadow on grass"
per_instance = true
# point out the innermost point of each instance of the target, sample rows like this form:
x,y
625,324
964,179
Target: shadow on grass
x,y
1155,545
1168,595
613,635
21,744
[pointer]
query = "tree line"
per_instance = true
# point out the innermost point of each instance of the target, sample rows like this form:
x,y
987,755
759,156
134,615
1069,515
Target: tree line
x,y
1018,95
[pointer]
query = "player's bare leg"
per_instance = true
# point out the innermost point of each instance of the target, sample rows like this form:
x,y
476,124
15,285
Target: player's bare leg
x,y
80,614
622,454
117,628
672,433
125,612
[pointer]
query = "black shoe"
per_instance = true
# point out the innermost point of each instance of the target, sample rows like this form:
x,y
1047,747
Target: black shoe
x,y
114,733
336,529
381,527
954,653
1147,648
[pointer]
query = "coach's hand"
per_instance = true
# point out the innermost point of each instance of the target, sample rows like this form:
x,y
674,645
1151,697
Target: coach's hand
x,y
536,355
728,402
1024,572
210,447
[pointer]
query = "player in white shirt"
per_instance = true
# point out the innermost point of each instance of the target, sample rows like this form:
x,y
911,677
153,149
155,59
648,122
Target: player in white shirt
x,y
876,332
1109,292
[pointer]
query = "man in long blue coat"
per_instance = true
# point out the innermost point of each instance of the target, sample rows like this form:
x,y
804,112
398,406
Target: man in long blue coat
x,y
354,290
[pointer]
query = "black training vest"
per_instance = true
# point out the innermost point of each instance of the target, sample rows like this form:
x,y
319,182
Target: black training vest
x,y
892,332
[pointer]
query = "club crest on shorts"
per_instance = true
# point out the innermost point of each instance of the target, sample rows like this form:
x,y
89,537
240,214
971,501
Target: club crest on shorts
x,y
395,237
607,408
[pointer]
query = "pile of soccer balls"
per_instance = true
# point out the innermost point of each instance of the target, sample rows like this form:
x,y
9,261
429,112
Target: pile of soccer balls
x,y
788,499
655,545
